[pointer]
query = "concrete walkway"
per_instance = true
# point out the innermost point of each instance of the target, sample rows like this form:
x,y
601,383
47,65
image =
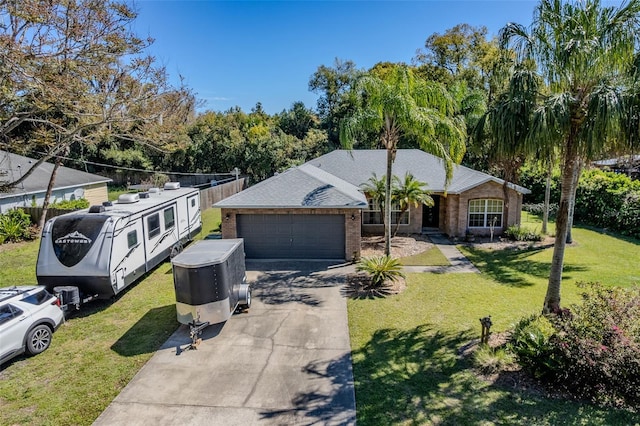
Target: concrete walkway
x,y
459,263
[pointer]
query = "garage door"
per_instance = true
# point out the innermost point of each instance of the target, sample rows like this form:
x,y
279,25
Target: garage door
x,y
292,236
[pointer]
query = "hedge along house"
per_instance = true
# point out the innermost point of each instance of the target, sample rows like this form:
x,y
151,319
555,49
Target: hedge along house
x,y
69,184
318,210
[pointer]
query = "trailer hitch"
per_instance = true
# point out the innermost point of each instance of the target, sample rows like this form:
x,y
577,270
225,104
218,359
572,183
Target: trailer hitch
x,y
195,330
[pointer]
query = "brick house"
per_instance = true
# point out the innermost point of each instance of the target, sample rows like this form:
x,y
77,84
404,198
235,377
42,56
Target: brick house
x,y
318,211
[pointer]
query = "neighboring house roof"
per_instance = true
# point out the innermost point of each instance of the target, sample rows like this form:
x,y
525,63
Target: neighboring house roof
x,y
305,186
12,166
357,166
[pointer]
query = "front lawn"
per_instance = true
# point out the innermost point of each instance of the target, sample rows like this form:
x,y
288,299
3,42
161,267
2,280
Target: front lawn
x,y
95,353
405,348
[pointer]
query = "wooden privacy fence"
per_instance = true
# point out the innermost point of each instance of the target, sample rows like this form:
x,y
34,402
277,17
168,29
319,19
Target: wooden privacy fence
x,y
36,212
212,195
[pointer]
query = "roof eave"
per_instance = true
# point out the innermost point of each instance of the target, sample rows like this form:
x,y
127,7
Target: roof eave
x,y
275,207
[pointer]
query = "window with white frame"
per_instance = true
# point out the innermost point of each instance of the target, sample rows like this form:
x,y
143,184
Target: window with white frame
x,y
373,216
485,213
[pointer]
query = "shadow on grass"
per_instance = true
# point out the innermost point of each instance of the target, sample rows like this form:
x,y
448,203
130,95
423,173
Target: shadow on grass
x,y
514,267
149,333
616,235
416,377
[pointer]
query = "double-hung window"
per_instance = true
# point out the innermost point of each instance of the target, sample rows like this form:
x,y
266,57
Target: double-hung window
x,y
484,213
373,216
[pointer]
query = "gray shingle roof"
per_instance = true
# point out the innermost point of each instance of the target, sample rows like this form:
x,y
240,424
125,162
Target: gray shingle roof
x,y
305,186
13,165
357,166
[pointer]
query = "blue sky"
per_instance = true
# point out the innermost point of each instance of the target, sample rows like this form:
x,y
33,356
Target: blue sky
x,y
241,52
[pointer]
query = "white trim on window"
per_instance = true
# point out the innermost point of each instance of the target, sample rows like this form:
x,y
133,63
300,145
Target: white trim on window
x,y
485,210
372,215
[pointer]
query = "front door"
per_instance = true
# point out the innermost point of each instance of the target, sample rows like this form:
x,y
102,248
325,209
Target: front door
x,y
431,215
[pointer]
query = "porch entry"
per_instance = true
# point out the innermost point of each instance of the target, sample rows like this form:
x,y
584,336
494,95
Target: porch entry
x,y
431,215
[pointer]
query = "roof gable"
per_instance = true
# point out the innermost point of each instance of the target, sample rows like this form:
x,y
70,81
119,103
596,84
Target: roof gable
x,y
305,186
12,166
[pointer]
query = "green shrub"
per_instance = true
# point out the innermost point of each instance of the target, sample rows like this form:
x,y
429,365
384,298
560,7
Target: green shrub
x,y
591,351
538,208
609,200
531,343
380,269
519,233
77,204
492,360
599,346
15,226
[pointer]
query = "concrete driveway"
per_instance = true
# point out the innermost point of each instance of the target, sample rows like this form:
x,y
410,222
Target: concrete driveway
x,y
286,361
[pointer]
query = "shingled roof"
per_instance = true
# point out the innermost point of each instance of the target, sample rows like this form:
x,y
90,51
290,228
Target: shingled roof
x,y
12,166
357,166
305,186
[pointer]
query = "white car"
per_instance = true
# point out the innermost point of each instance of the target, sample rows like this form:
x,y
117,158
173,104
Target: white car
x,y
28,317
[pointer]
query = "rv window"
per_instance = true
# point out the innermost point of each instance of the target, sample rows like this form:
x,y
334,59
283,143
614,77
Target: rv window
x,y
169,218
132,238
193,202
153,223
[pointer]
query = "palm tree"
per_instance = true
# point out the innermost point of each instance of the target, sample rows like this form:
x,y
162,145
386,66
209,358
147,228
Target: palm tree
x,y
375,190
408,192
403,105
585,54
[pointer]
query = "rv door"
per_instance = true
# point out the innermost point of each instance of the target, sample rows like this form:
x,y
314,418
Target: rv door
x,y
119,279
193,212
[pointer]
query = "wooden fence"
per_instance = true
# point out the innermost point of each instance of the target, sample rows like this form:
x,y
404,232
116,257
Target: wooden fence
x,y
36,212
212,195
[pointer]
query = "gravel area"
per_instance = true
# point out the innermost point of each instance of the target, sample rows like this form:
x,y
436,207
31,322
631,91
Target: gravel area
x,y
401,246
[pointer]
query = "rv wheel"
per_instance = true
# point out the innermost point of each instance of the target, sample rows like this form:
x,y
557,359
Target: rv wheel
x,y
175,250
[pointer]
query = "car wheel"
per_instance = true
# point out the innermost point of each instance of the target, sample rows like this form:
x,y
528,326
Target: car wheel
x,y
38,339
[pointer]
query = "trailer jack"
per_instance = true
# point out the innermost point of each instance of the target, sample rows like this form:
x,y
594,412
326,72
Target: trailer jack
x,y
195,330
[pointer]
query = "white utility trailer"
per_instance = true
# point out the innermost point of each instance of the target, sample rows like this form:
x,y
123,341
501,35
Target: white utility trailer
x,y
98,252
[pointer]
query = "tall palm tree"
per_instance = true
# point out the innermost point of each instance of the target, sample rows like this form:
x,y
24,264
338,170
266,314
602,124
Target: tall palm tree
x,y
585,54
409,192
403,105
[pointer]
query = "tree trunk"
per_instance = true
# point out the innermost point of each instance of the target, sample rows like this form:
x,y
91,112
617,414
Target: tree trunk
x,y
547,197
400,217
552,298
505,195
387,204
576,179
47,195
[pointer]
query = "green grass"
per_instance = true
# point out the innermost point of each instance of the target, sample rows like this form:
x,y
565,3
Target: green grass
x,y
95,353
430,257
405,348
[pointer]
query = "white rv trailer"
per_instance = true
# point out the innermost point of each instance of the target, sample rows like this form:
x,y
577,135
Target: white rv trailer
x,y
103,249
